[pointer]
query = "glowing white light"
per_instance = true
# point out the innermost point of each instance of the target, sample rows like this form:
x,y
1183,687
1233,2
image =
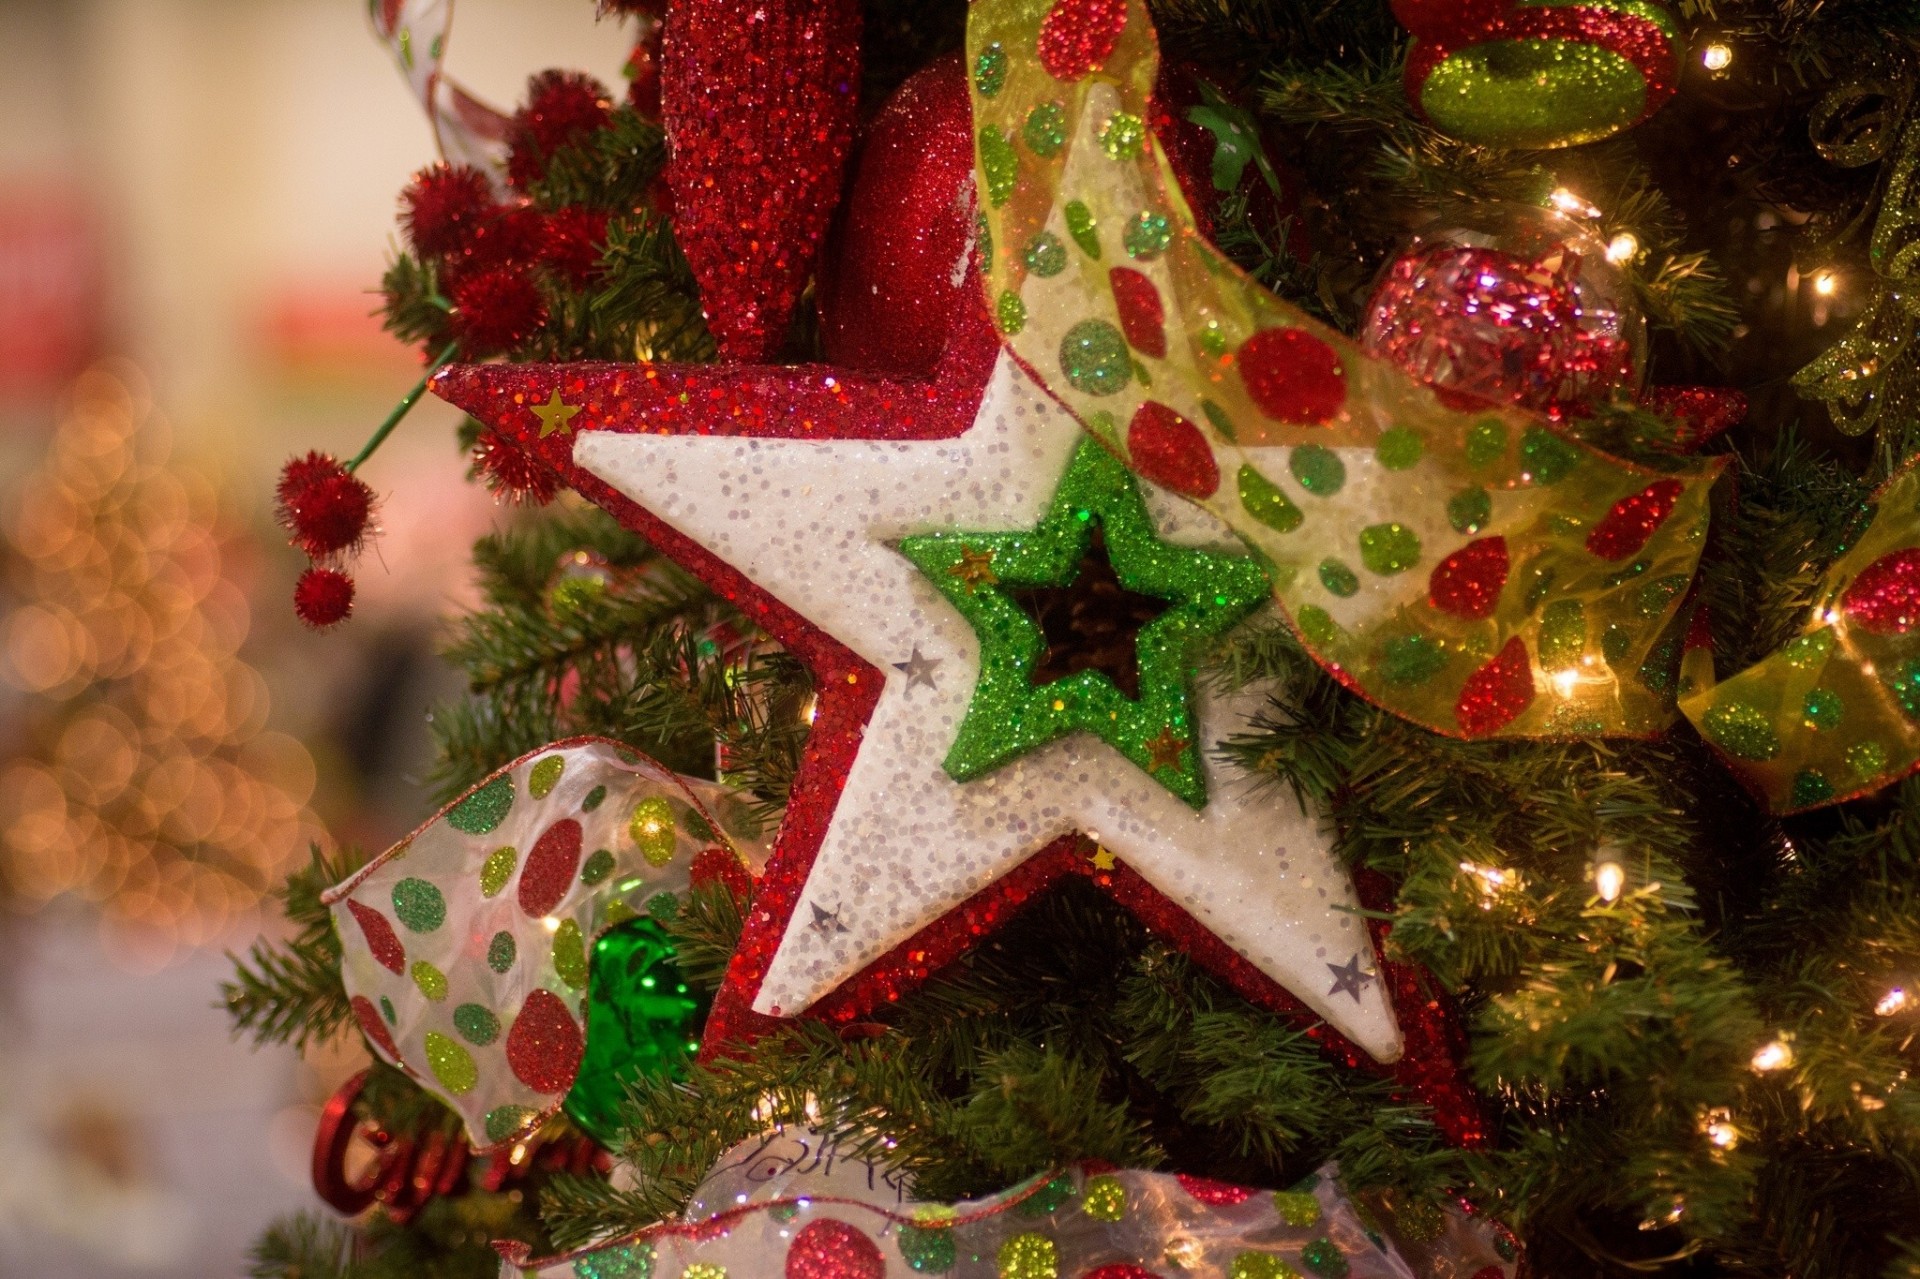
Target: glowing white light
x,y
1718,1125
1825,282
1567,202
1892,1002
1775,1055
1716,56
551,923
1564,681
1609,877
1624,247
1492,881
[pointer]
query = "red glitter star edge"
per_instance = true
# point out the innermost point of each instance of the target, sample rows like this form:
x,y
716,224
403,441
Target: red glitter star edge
x,y
824,403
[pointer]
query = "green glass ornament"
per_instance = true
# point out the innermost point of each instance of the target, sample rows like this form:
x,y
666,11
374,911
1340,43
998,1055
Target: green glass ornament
x,y
643,1022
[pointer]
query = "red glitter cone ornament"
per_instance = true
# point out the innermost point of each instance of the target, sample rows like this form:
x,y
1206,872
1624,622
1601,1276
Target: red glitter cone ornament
x,y
1521,308
758,100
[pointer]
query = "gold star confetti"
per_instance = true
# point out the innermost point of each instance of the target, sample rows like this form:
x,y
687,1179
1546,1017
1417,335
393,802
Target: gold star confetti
x,y
555,416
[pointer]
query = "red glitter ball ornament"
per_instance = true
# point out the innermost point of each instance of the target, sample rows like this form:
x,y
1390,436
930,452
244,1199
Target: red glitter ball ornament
x,y
545,1045
1885,598
323,505
758,99
1448,19
1632,521
571,242
511,472
1142,317
1522,308
1293,376
381,939
444,206
372,1026
830,1249
1078,36
896,278
1170,451
495,310
1217,1194
323,597
550,867
563,107
1497,692
1468,582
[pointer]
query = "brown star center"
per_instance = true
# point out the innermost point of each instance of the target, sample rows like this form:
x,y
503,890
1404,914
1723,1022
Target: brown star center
x,y
1090,624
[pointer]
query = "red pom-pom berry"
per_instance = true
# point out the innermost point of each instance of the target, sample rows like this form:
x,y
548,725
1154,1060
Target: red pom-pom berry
x,y
324,506
572,239
562,108
509,472
495,310
323,597
444,206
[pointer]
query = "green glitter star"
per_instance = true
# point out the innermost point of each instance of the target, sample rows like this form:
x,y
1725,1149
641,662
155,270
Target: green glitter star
x,y
1008,716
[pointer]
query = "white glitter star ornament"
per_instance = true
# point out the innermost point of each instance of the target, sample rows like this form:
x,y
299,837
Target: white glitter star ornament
x,y
790,490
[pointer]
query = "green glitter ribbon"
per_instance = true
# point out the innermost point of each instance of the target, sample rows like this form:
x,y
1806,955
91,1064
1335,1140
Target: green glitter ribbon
x,y
1876,365
1009,715
1356,488
1835,712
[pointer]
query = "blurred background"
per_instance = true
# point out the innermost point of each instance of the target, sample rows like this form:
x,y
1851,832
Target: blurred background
x,y
195,198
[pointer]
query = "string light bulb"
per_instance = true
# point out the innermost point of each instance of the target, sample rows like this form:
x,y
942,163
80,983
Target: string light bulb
x,y
1717,57
1624,247
1718,1125
1825,283
1609,878
1776,1054
1569,203
1894,1001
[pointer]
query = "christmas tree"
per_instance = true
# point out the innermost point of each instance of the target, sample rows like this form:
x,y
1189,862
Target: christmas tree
x,y
1143,601
145,784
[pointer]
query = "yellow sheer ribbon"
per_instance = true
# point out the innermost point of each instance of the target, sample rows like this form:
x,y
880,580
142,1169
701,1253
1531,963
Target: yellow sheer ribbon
x,y
1835,712
1473,571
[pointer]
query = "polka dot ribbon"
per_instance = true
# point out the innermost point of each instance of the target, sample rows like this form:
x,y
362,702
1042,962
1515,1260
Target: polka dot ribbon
x,y
1084,1223
466,944
466,130
1835,712
1469,569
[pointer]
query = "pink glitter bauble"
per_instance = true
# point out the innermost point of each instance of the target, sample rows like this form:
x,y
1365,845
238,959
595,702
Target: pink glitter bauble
x,y
1524,309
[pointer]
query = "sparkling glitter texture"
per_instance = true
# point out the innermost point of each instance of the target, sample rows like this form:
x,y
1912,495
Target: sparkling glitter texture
x,y
1008,714
486,991
1835,712
1352,481
810,1218
758,100
1521,307
891,282
1544,75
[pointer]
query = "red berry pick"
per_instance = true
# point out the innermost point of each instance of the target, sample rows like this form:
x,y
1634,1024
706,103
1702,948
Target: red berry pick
x,y
562,108
510,473
324,506
495,310
444,207
323,597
